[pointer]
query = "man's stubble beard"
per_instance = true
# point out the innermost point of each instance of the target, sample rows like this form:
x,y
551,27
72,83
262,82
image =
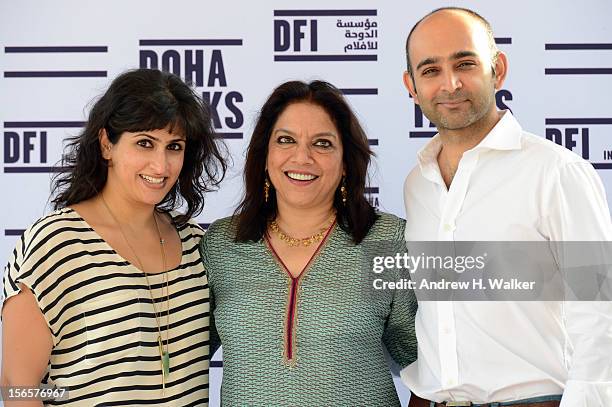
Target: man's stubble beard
x,y
479,106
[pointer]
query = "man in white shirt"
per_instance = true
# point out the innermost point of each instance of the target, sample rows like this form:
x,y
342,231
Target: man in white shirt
x,y
482,178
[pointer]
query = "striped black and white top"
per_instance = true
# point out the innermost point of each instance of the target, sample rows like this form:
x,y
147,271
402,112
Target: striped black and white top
x,y
101,317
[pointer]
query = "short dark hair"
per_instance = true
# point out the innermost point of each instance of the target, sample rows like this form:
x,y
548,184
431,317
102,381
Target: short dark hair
x,y
144,100
357,216
481,19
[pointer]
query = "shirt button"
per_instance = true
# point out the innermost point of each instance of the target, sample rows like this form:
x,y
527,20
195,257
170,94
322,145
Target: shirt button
x,y
446,330
449,227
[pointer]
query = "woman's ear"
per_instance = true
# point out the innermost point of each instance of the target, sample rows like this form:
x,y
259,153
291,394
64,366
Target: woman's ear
x,y
105,144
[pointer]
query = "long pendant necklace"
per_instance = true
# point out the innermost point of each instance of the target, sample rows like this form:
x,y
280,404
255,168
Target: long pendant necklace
x,y
164,353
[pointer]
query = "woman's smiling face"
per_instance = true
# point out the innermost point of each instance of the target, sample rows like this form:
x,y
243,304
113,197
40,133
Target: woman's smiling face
x,y
144,165
304,160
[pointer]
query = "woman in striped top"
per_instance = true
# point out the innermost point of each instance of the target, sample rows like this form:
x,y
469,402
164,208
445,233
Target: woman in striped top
x,y
106,297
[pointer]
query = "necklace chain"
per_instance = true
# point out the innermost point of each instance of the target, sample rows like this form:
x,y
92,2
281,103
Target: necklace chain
x,y
295,241
163,354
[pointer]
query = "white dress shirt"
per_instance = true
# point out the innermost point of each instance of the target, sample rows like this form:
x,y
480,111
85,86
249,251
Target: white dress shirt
x,y
513,186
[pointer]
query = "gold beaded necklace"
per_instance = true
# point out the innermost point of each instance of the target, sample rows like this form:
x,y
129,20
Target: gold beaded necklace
x,y
164,354
306,241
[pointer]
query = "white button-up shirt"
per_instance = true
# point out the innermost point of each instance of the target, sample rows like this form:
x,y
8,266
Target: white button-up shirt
x,y
513,186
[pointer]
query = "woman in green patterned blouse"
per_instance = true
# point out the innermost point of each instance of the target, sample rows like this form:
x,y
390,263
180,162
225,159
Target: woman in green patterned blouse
x,y
291,273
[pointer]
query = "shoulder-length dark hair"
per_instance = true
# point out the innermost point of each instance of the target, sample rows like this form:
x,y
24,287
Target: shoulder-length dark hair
x,y
144,100
253,213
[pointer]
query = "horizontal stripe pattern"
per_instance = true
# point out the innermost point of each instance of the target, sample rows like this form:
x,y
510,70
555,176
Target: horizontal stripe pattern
x,y
102,319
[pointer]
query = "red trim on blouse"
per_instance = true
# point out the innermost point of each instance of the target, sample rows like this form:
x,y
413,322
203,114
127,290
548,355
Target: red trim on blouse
x,y
291,308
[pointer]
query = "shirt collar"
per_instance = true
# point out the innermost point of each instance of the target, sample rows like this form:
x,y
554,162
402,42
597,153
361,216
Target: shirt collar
x,y
506,135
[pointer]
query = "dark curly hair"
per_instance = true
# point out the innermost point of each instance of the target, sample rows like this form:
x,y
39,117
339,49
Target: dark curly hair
x,y
144,100
253,213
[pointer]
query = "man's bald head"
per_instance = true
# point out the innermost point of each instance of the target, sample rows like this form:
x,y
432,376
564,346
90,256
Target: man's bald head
x,y
477,17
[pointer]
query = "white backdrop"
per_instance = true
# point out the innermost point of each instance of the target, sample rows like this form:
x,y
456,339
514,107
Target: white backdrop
x,y
55,57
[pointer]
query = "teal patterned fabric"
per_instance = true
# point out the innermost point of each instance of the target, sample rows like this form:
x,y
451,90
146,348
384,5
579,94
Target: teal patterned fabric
x,y
340,322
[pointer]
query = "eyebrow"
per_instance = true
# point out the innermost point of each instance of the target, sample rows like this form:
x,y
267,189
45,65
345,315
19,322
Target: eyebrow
x,y
455,56
156,139
325,133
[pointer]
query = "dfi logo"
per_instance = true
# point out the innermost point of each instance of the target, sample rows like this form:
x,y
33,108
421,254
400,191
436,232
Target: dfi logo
x,y
296,31
20,146
26,145
583,136
322,35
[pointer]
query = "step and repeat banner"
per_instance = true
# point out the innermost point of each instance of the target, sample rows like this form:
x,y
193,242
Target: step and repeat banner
x,y
56,57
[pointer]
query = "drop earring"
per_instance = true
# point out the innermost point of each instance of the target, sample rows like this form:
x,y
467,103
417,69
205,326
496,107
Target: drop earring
x,y
343,191
266,190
